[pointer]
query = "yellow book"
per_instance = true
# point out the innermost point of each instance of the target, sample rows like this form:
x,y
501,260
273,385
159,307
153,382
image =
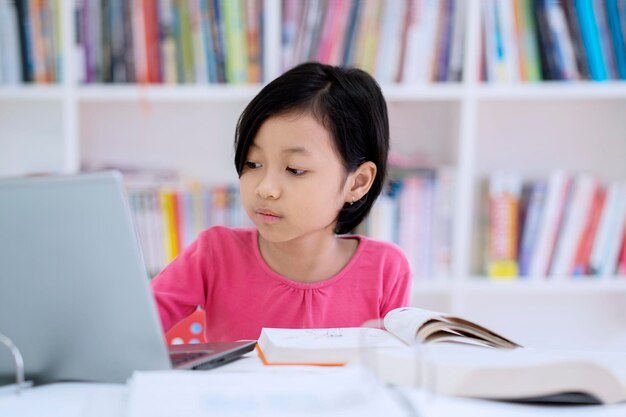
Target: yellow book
x,y
170,228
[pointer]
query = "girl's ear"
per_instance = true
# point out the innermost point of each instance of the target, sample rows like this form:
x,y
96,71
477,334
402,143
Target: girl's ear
x,y
360,181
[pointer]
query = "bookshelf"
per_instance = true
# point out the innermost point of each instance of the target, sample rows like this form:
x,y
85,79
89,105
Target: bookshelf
x,y
474,126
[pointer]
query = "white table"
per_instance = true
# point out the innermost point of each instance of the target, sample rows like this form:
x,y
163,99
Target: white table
x,y
109,400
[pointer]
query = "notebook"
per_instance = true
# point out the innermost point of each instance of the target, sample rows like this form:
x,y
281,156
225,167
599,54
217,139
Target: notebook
x,y
74,293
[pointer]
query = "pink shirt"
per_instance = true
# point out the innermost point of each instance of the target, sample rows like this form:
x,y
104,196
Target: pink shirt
x,y
224,273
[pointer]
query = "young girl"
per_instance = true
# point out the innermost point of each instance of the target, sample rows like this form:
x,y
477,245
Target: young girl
x,y
311,151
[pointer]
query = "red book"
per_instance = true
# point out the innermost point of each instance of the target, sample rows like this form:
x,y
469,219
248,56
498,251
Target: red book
x,y
151,22
621,265
583,252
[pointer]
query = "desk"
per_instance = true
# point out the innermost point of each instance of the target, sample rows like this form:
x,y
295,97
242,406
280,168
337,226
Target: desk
x,y
109,400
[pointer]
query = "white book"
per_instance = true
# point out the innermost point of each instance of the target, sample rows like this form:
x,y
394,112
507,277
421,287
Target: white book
x,y
615,235
383,219
408,202
431,10
389,46
549,224
574,223
506,374
443,221
404,326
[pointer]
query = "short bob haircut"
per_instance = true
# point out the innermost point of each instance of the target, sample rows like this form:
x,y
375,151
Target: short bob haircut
x,y
347,102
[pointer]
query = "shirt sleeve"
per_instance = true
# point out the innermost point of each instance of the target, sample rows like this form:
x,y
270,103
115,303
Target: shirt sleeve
x,y
397,285
181,286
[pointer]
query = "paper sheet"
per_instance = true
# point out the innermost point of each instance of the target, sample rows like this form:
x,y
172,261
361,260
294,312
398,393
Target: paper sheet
x,y
343,391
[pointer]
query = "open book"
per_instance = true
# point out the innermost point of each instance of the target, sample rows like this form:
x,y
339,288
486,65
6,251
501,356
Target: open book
x,y
547,376
403,326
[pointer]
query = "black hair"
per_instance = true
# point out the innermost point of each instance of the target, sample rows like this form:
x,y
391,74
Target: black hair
x,y
347,102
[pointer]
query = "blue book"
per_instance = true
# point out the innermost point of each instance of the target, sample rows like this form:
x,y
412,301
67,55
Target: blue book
x,y
591,39
617,37
207,40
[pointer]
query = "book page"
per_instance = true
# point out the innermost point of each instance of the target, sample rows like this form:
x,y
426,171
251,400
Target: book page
x,y
333,338
321,346
412,324
405,322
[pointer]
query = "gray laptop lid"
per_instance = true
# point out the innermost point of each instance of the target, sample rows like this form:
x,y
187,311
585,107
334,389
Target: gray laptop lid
x,y
74,293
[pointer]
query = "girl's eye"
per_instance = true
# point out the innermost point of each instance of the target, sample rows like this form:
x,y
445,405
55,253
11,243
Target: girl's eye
x,y
296,171
251,165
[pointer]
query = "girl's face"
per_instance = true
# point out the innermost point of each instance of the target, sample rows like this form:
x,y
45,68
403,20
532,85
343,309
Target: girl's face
x,y
293,183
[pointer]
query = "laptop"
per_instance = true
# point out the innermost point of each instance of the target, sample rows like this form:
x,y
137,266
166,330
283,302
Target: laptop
x,y
74,293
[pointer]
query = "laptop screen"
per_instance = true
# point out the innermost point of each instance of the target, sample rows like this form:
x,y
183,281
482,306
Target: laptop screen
x,y
74,292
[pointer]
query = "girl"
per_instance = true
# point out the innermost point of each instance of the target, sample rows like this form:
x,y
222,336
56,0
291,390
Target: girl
x,y
311,151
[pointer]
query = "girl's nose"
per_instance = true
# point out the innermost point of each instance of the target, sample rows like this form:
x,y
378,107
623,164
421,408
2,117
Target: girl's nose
x,y
268,188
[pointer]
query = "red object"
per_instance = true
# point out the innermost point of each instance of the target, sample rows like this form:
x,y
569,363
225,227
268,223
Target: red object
x,y
189,330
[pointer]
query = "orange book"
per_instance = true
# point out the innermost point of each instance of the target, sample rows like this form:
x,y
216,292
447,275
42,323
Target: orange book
x,y
253,15
170,221
503,232
177,223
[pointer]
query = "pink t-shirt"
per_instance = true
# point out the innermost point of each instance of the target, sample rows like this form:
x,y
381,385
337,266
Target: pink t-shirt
x,y
224,273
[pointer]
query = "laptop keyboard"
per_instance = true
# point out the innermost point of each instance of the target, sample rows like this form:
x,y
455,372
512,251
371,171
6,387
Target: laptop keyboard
x,y
181,358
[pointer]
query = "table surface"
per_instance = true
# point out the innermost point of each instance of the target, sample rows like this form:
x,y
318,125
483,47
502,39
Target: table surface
x,y
109,400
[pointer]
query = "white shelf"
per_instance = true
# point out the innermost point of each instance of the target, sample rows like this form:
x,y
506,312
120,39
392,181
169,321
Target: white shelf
x,y
32,93
613,90
559,90
427,92
167,93
422,287
230,93
556,285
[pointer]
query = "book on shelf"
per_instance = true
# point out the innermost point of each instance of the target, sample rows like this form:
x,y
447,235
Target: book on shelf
x,y
570,225
402,327
170,41
610,233
502,240
30,42
531,40
396,41
415,211
576,210
531,207
521,375
169,213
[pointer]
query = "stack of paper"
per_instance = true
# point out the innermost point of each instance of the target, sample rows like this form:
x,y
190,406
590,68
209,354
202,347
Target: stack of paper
x,y
296,391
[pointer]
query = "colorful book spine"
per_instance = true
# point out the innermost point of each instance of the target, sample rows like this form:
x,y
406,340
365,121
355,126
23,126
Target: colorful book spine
x,y
580,264
504,196
236,47
617,36
591,39
551,215
576,211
